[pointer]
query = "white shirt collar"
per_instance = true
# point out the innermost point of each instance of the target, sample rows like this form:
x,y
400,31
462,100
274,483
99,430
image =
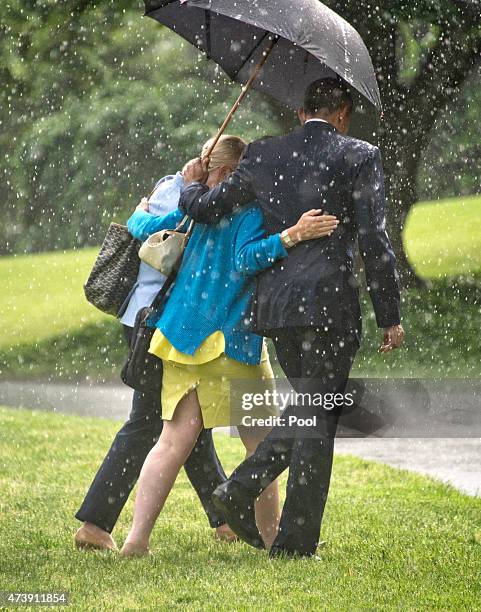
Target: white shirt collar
x,y
315,119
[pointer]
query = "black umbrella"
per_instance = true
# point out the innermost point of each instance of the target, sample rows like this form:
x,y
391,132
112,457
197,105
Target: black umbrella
x,y
303,40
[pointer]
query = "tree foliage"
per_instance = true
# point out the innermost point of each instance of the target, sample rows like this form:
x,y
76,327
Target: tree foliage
x,y
423,52
97,103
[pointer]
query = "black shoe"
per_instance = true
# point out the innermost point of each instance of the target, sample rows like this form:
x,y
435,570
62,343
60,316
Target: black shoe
x,y
238,510
280,552
277,552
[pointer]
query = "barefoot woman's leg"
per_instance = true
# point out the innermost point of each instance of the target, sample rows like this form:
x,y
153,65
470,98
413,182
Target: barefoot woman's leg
x,y
161,468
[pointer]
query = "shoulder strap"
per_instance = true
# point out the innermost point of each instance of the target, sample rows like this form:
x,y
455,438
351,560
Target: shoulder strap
x,y
169,281
181,223
152,192
173,275
171,278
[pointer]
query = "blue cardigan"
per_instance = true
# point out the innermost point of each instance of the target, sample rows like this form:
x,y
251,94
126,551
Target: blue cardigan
x,y
215,284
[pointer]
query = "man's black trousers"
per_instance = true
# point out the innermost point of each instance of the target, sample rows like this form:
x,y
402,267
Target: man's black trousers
x,y
316,362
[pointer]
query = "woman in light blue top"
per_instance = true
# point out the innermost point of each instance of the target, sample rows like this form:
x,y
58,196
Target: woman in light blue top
x,y
163,200
121,466
209,308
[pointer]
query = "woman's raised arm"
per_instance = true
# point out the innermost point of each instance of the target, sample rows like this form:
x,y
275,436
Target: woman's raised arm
x,y
142,224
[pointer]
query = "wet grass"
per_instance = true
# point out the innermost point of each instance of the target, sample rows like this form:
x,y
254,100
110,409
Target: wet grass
x,y
50,331
443,238
94,351
442,342
42,295
395,540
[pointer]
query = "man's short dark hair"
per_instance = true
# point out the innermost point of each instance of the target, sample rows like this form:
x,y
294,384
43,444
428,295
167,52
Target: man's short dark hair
x,y
328,95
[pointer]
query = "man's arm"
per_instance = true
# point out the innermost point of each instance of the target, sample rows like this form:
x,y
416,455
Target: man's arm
x,y
374,245
209,206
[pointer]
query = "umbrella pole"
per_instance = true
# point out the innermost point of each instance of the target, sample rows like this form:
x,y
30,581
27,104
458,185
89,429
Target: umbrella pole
x,y
243,92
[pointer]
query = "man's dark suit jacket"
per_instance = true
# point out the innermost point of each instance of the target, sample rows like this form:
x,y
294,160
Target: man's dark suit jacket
x,y
313,167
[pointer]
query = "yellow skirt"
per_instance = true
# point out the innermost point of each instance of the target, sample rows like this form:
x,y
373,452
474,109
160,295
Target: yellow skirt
x,y
212,347
212,381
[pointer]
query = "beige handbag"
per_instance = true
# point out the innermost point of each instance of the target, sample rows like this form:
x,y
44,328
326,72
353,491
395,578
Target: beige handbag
x,y
163,250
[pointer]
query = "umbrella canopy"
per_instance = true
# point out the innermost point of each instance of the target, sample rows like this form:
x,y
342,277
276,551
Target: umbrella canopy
x,y
312,42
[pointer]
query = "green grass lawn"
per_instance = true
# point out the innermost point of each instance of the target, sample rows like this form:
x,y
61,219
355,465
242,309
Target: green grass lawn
x,y
42,295
50,331
444,238
395,540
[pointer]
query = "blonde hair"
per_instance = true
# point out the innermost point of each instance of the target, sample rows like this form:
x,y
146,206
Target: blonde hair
x,y
227,151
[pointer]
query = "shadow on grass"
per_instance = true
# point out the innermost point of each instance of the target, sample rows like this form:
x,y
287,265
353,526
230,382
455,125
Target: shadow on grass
x,y
442,340
95,350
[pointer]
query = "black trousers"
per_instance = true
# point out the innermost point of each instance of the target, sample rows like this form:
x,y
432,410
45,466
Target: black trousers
x,y
316,362
121,466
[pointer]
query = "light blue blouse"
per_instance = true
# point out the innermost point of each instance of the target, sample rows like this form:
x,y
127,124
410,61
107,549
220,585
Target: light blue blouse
x,y
164,200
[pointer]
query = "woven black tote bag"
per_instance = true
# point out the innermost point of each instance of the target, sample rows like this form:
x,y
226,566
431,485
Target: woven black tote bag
x,y
115,271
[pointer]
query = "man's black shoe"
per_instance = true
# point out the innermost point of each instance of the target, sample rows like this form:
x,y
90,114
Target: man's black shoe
x,y
280,552
238,510
277,552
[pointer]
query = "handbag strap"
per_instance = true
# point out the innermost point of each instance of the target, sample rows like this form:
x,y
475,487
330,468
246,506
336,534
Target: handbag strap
x,y
152,192
173,275
183,222
190,228
169,281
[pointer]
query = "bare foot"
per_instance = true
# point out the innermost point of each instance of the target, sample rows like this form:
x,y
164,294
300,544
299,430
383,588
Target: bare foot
x,y
225,533
131,549
91,537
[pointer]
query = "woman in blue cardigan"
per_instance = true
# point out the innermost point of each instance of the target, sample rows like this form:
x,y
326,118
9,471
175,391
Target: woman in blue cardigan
x,y
204,340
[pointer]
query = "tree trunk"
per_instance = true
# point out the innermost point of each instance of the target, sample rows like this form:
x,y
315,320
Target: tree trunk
x,y
400,152
401,176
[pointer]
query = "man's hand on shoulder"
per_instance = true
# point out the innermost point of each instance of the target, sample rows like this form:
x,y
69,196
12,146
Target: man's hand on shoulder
x,y
196,171
393,337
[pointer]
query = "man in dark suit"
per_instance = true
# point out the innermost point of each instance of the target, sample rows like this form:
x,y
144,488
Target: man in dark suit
x,y
307,303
